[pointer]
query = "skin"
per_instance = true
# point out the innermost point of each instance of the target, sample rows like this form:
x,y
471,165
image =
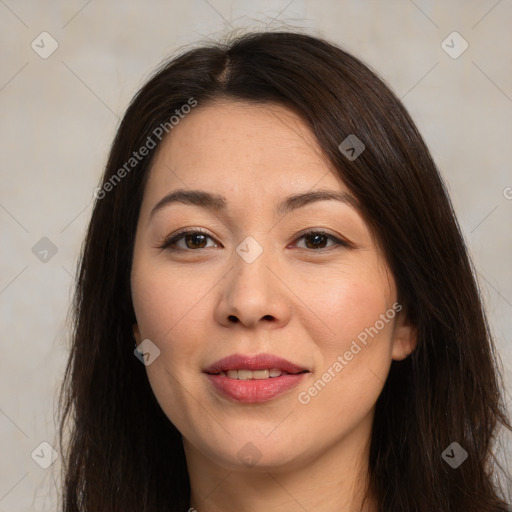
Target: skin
x,y
302,299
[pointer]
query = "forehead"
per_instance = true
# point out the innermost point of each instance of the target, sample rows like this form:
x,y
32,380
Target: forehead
x,y
238,146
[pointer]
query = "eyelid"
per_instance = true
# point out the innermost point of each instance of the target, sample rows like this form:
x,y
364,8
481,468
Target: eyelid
x,y
179,234
338,241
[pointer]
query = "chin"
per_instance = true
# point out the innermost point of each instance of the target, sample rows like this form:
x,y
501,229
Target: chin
x,y
249,454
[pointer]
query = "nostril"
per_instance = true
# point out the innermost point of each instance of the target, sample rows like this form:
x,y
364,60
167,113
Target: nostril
x,y
233,319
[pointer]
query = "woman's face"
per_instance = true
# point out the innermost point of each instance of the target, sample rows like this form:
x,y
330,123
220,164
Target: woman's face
x,y
252,287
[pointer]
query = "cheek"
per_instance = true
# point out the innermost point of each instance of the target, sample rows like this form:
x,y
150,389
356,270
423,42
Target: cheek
x,y
168,304
167,308
347,306
158,300
356,352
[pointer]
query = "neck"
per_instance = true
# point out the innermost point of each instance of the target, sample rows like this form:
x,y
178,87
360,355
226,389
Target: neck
x,y
334,480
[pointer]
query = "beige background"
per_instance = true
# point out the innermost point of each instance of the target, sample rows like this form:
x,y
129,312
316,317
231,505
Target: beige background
x,y
59,115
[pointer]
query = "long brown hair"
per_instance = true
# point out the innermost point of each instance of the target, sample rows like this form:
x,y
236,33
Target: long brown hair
x,y
124,454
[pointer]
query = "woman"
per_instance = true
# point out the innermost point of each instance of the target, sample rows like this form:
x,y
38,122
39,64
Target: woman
x,y
273,234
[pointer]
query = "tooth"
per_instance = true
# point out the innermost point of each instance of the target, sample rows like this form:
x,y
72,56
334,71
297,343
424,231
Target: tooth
x,y
244,374
248,374
260,374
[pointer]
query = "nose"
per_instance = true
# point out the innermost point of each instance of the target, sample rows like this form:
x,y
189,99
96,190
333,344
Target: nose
x,y
253,294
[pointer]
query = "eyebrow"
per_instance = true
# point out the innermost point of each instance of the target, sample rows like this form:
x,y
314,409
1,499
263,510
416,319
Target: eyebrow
x,y
218,202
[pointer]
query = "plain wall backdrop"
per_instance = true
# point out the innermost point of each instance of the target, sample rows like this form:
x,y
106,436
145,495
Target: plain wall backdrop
x,y
69,70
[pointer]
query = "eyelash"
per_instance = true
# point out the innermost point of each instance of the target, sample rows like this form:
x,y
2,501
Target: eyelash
x,y
169,241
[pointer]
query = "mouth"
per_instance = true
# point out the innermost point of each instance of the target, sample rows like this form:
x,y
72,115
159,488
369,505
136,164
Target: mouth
x,y
245,374
260,366
254,378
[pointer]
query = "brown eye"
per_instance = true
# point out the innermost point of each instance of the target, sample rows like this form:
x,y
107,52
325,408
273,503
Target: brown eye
x,y
317,240
193,240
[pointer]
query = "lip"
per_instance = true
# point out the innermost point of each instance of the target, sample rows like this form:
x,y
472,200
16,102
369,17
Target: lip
x,y
254,390
256,362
